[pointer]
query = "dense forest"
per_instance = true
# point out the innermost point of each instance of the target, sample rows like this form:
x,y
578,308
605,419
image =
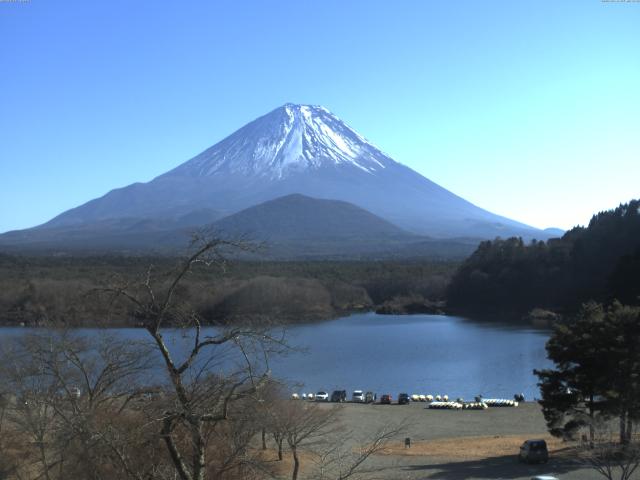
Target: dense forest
x,y
600,262
66,290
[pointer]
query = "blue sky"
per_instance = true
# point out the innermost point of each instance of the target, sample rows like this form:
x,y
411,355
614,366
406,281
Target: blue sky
x,y
528,109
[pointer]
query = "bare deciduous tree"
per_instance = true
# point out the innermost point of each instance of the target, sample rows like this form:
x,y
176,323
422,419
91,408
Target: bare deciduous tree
x,y
189,403
218,369
344,456
306,426
612,459
69,395
317,431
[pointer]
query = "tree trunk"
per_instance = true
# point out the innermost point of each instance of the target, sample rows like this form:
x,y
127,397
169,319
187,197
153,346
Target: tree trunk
x,y
623,427
279,439
176,457
592,433
264,439
296,463
199,460
43,459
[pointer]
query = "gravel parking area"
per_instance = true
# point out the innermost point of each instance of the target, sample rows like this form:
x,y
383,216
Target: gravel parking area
x,y
460,445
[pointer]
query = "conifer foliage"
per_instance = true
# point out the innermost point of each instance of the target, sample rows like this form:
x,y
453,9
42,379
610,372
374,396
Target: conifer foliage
x,y
597,374
600,262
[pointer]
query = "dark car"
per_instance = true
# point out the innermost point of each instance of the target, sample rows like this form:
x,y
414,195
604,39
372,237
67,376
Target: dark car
x,y
386,399
370,397
403,399
339,396
534,451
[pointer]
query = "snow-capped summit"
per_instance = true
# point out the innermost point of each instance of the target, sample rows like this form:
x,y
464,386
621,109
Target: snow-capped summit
x,y
289,139
294,149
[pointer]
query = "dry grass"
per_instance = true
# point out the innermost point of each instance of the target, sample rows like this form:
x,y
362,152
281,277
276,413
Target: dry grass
x,y
284,467
470,448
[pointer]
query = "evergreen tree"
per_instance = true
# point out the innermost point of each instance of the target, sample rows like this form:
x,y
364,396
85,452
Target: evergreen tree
x,y
597,374
599,262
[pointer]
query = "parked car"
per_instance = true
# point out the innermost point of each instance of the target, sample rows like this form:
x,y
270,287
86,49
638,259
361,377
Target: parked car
x,y
370,397
322,396
403,399
339,396
358,396
544,477
386,399
534,451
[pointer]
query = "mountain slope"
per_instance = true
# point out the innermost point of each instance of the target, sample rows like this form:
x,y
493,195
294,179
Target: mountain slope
x,y
297,226
300,218
290,227
293,149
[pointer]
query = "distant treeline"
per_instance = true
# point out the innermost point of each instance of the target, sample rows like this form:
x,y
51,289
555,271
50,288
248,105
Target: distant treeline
x,y
600,262
67,290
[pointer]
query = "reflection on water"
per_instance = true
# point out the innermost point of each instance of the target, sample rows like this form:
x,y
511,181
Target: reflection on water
x,y
394,353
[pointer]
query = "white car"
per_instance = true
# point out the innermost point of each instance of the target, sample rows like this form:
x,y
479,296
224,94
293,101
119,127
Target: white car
x,y
322,397
358,396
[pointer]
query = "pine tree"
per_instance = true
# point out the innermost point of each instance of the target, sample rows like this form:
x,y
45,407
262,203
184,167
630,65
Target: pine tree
x,y
597,372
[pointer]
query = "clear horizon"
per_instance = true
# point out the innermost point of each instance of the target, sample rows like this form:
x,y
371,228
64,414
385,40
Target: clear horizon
x,y
526,110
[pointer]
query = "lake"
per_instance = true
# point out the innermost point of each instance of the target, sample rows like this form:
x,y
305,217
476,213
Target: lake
x,y
430,354
417,354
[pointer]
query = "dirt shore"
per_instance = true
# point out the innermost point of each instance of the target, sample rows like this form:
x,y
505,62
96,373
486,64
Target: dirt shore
x,y
461,445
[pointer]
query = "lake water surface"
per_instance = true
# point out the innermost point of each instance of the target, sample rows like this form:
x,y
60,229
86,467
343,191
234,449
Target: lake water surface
x,y
417,354
430,354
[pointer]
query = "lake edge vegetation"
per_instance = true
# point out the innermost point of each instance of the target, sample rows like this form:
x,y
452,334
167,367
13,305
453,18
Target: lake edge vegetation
x,y
51,291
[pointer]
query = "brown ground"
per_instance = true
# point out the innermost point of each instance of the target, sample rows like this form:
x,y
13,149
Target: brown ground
x,y
461,445
469,448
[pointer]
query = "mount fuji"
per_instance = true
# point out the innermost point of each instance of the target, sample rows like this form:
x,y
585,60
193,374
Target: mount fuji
x,y
294,149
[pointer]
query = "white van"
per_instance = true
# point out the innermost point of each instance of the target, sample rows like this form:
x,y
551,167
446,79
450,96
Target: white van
x,y
358,396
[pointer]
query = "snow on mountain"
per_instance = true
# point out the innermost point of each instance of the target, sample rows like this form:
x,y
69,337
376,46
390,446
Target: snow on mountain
x,y
294,149
287,140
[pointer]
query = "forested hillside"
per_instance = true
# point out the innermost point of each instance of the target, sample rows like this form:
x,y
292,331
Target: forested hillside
x,y
62,291
599,262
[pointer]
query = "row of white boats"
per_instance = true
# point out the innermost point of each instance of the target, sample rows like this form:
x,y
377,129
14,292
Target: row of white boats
x,y
484,404
435,402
